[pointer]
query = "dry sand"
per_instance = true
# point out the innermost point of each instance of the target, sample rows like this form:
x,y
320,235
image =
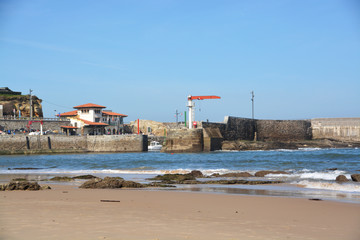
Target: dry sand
x,y
66,212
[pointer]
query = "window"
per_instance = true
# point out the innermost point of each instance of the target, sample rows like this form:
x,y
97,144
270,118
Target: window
x,y
97,119
97,111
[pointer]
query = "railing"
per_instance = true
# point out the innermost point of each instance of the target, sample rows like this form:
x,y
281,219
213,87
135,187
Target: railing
x,y
32,119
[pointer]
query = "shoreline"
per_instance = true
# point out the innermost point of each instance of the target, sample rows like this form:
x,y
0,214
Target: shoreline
x,y
67,212
283,189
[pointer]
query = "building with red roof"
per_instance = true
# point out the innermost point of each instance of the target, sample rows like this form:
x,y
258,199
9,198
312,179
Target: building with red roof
x,y
91,119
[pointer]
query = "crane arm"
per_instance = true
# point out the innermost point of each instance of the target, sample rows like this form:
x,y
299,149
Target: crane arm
x,y
203,97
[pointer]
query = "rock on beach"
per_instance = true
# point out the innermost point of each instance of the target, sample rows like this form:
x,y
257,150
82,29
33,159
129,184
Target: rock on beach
x,y
341,178
263,173
110,182
22,185
355,177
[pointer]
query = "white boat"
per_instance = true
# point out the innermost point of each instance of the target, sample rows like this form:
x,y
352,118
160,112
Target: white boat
x,y
154,146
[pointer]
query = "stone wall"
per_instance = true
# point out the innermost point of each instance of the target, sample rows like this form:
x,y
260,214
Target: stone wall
x,y
184,140
51,125
235,128
283,130
239,128
59,143
344,129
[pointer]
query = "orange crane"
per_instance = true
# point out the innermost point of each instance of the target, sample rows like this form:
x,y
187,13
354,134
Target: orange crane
x,y
191,104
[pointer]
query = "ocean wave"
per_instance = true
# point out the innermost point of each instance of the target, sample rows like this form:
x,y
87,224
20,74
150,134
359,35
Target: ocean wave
x,y
304,174
343,187
322,175
296,150
139,170
310,149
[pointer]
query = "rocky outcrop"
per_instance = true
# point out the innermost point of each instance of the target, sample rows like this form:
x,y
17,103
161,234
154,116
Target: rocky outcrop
x,y
355,177
110,182
21,103
68,179
149,127
22,185
240,145
174,178
341,178
263,173
197,174
234,175
189,178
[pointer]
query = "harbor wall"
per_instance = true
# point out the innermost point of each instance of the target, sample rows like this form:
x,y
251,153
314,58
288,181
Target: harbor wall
x,y
344,129
184,140
21,144
235,128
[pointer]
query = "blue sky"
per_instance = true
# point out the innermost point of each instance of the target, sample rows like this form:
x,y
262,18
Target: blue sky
x,y
143,58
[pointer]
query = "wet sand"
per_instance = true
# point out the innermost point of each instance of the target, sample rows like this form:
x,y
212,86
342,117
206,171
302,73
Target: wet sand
x,y
67,212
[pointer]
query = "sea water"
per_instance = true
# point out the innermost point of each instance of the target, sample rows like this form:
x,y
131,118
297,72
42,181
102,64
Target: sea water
x,y
312,172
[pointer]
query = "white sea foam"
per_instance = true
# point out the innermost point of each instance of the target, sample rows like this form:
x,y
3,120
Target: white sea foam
x,y
309,149
343,187
140,171
296,150
331,175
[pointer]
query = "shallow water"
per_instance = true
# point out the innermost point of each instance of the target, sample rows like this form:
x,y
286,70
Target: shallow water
x,y
314,169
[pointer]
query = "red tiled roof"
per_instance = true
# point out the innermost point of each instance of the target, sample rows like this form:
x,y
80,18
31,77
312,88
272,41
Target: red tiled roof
x,y
71,113
89,105
93,123
71,127
113,114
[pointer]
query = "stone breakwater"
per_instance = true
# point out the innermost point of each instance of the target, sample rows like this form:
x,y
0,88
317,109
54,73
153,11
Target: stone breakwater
x,y
21,144
254,134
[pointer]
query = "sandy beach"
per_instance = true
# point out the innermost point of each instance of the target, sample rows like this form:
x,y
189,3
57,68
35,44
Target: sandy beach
x,y
67,212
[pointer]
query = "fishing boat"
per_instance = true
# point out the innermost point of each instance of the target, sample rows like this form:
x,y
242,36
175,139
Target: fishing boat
x,y
154,146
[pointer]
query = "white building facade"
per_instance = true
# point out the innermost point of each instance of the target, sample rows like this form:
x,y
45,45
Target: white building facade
x,y
91,119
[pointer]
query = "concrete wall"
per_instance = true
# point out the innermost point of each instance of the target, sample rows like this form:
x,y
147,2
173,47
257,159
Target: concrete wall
x,y
117,143
345,129
212,139
58,143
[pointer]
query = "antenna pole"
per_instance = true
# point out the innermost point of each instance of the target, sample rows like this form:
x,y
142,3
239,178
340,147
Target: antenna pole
x,y
31,108
252,100
177,115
